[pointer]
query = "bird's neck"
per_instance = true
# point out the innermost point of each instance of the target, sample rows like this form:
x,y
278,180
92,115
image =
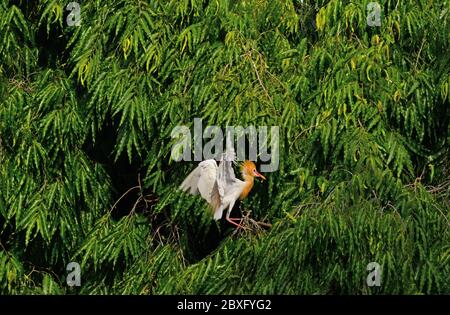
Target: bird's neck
x,y
248,185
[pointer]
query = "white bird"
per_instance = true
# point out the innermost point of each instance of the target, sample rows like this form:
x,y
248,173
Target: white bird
x,y
218,185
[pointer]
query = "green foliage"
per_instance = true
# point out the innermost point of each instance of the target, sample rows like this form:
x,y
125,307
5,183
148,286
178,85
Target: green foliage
x,y
85,120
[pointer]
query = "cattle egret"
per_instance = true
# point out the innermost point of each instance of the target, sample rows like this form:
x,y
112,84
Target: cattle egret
x,y
218,185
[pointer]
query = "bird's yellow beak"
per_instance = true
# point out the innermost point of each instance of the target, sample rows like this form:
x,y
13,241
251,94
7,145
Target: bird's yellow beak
x,y
257,174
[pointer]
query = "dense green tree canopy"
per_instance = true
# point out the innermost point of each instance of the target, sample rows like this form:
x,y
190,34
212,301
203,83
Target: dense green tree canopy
x,y
86,175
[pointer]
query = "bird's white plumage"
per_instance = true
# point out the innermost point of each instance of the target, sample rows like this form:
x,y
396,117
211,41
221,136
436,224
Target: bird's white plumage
x,y
225,174
218,185
202,180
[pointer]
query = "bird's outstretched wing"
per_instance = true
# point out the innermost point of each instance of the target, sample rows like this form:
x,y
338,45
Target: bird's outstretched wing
x,y
226,180
203,180
225,174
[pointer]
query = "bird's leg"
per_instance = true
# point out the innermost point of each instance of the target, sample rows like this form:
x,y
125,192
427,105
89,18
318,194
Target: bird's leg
x,y
231,220
234,223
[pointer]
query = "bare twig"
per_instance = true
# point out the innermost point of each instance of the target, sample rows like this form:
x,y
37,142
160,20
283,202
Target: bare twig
x,y
301,133
418,54
251,225
118,200
249,54
441,187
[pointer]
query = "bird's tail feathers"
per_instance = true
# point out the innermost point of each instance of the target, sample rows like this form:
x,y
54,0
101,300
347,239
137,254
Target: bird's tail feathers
x,y
216,205
218,213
